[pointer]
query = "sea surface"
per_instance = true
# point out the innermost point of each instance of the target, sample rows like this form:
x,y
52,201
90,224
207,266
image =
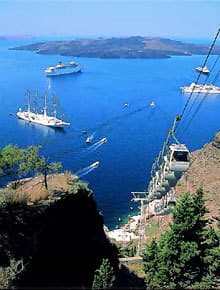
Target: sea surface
x,y
94,100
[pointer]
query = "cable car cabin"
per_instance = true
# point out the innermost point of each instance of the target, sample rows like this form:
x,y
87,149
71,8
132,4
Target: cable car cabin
x,y
160,188
165,183
167,173
156,195
178,158
171,201
171,178
164,211
162,181
159,192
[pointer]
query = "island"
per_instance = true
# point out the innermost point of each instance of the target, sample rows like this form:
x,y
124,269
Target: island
x,y
120,47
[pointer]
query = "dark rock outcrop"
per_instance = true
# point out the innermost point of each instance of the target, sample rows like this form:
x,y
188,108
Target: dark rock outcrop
x,y
59,243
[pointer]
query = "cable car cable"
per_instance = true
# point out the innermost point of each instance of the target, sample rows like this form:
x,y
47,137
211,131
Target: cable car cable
x,y
204,64
199,106
199,93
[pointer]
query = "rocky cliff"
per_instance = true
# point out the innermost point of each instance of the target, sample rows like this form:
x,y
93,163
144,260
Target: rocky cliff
x,y
51,238
205,171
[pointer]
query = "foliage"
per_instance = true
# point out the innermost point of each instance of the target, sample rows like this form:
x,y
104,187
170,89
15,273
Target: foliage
x,y
212,258
188,253
4,197
10,157
128,250
14,160
104,276
76,185
31,161
150,263
54,166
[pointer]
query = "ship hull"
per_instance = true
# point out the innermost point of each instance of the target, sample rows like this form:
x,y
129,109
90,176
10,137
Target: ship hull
x,y
66,71
204,89
186,90
41,119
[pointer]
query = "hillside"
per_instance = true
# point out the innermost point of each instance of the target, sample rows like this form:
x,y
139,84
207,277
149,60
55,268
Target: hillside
x,y
51,238
56,238
204,171
123,47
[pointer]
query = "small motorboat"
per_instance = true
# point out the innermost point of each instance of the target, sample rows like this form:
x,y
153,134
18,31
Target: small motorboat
x,y
84,131
203,70
95,164
126,105
89,139
152,104
104,140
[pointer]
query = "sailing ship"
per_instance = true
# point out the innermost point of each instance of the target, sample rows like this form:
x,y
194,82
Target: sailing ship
x,y
42,118
63,69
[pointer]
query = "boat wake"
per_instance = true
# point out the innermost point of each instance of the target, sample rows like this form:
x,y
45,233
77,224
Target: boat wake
x,y
84,171
115,119
96,145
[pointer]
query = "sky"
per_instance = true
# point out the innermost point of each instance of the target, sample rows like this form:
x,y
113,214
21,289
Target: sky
x,y
92,18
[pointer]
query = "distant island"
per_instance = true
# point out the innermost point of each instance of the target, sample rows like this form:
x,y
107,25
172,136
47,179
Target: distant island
x,y
121,47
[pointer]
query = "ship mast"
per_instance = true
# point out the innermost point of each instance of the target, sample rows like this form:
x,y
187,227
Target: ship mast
x,y
54,105
45,105
36,102
29,101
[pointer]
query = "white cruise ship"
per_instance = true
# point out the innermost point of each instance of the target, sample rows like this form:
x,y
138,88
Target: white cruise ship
x,y
63,69
196,88
41,118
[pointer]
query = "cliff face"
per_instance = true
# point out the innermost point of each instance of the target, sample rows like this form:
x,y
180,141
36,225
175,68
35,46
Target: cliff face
x,y
205,171
55,241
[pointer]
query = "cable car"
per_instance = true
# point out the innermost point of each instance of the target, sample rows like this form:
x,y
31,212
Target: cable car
x,y
167,173
165,183
178,158
171,201
160,188
157,194
164,211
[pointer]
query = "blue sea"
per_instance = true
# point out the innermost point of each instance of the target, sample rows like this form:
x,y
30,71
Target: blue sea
x,y
94,100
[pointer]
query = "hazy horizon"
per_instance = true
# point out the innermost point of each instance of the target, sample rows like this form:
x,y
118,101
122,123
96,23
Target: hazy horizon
x,y
110,18
36,38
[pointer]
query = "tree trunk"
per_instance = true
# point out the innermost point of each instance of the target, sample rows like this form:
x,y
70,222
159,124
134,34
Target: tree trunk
x,y
45,179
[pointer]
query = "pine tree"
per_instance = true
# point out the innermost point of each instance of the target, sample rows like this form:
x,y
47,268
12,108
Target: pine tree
x,y
211,259
187,253
16,161
150,263
104,276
